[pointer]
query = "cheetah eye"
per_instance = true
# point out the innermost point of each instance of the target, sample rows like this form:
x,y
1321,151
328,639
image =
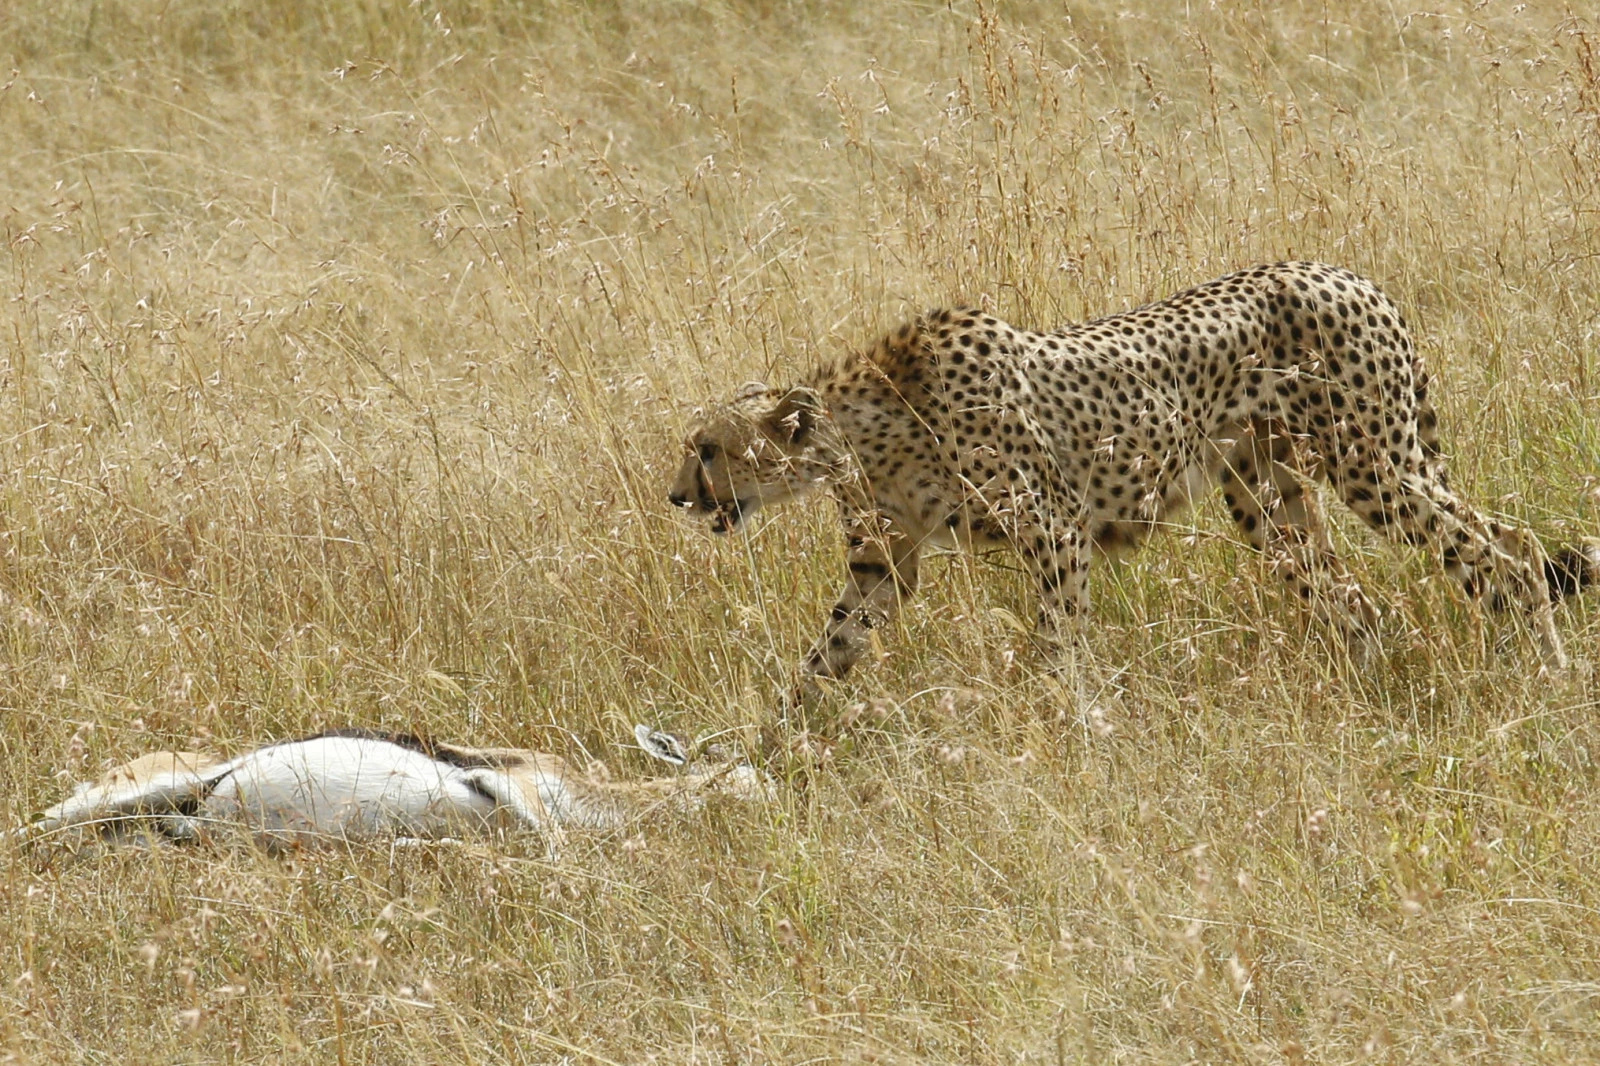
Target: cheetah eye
x,y
708,452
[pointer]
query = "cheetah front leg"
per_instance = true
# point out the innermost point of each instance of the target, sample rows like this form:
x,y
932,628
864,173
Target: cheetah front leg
x,y
1058,557
880,572
1055,550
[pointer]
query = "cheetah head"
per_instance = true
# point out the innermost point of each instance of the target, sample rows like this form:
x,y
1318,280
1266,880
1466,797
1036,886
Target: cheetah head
x,y
763,448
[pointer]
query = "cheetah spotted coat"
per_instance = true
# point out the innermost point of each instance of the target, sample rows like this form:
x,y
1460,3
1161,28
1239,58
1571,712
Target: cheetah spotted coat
x,y
959,428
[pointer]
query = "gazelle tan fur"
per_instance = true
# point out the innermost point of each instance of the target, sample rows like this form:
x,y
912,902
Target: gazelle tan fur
x,y
353,785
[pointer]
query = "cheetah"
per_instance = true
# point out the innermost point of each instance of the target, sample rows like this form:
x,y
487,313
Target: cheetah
x,y
959,429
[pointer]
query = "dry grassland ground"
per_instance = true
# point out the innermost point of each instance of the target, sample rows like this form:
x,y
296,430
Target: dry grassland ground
x,y
345,354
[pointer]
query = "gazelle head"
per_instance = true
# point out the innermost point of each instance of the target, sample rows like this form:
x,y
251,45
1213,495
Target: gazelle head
x,y
707,767
668,747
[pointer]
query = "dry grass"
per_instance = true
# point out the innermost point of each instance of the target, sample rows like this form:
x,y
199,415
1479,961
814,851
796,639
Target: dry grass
x,y
344,352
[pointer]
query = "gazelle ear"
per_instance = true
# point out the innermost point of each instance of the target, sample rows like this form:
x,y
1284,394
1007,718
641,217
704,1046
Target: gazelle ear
x,y
795,415
663,745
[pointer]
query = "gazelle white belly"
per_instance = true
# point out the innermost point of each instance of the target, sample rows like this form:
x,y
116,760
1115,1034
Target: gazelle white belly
x,y
346,787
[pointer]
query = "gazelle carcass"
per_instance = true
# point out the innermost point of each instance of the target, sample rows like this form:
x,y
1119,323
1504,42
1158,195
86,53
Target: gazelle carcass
x,y
360,785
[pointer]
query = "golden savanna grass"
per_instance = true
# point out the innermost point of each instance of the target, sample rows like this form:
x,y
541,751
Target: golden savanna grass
x,y
346,349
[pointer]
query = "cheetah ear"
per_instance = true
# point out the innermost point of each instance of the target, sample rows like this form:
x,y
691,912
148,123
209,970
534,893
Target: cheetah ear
x,y
750,390
795,415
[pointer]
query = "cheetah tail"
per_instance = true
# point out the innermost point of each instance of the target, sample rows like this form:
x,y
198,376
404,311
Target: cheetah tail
x,y
1573,569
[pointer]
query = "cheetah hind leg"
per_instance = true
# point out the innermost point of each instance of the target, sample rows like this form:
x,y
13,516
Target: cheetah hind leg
x,y
1269,500
1497,563
1520,571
